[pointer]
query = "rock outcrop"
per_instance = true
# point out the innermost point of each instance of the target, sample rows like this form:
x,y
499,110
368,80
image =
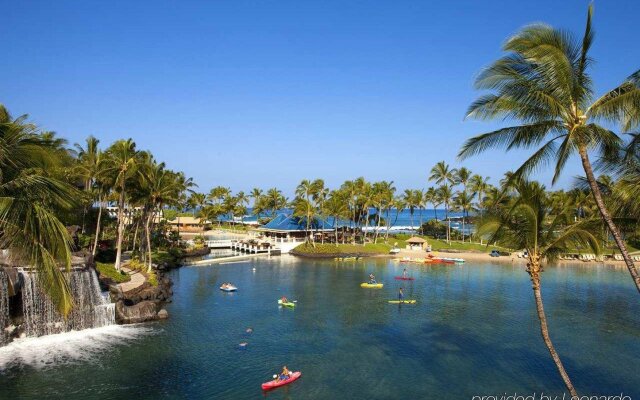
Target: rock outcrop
x,y
140,312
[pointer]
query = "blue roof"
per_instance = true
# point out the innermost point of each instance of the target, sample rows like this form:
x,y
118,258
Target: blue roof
x,y
283,222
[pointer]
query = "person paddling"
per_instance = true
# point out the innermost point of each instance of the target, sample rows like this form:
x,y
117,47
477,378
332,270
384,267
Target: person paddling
x,y
404,273
401,295
372,279
284,299
286,374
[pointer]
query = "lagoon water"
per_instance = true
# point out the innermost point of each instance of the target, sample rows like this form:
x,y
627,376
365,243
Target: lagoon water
x,y
474,331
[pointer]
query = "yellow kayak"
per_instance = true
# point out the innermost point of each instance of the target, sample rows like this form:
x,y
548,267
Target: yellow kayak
x,y
402,301
372,285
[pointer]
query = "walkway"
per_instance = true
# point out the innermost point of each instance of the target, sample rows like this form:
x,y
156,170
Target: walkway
x,y
137,280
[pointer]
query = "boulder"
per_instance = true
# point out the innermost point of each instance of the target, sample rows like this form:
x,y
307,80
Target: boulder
x,y
163,314
141,312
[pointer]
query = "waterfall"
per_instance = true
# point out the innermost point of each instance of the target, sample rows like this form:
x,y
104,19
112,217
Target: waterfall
x,y
90,308
4,307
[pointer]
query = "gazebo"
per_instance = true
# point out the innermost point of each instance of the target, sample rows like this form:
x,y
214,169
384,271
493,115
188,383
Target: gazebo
x,y
416,243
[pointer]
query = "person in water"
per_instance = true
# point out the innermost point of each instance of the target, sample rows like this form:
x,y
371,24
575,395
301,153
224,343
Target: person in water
x,y
372,279
401,295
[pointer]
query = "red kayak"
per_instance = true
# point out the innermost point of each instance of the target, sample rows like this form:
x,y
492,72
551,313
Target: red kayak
x,y
402,278
275,384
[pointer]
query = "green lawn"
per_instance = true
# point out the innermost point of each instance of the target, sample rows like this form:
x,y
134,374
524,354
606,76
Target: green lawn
x,y
438,245
108,270
341,250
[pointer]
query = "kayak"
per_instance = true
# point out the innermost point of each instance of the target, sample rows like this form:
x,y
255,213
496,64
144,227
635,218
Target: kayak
x,y
287,304
403,278
402,301
371,285
228,288
275,384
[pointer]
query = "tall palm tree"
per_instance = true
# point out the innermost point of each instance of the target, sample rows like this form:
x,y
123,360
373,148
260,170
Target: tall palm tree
x,y
275,200
445,196
431,196
462,177
442,174
124,159
410,202
242,200
479,186
87,168
544,83
525,223
160,187
305,191
420,201
463,201
30,198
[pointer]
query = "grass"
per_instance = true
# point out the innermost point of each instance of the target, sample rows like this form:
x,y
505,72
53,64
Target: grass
x,y
341,250
109,270
441,245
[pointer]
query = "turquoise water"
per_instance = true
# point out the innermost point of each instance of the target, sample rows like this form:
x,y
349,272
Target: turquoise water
x,y
473,332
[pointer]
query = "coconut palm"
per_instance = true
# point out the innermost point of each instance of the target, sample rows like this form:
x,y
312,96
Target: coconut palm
x,y
123,163
463,201
544,83
462,177
479,187
29,201
431,196
445,196
525,223
410,202
442,174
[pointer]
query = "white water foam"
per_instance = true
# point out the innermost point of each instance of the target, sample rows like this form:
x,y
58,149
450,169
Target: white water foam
x,y
69,347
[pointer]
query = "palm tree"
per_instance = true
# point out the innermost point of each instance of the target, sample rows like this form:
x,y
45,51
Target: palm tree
x,y
445,196
525,223
420,201
196,201
479,187
305,191
123,164
275,200
442,174
463,201
160,187
463,175
256,195
431,196
241,205
87,168
544,83
29,201
410,203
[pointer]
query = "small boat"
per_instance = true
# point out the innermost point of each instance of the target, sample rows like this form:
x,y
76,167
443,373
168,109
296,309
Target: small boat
x,y
404,278
274,383
402,301
395,250
228,288
371,285
286,304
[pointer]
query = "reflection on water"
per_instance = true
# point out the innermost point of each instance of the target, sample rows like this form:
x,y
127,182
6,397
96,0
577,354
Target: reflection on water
x,y
473,331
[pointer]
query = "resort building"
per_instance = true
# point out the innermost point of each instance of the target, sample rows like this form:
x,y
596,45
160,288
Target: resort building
x,y
189,224
288,227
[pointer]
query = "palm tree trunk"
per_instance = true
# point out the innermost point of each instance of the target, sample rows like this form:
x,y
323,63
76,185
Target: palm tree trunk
x,y
95,240
534,272
147,230
120,228
615,232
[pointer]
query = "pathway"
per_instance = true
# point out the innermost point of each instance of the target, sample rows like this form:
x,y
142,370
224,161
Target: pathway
x,y
137,280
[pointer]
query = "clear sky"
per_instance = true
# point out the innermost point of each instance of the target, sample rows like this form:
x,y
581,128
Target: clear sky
x,y
266,93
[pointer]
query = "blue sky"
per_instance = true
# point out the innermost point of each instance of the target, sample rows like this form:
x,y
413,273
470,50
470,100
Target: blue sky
x,y
266,93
